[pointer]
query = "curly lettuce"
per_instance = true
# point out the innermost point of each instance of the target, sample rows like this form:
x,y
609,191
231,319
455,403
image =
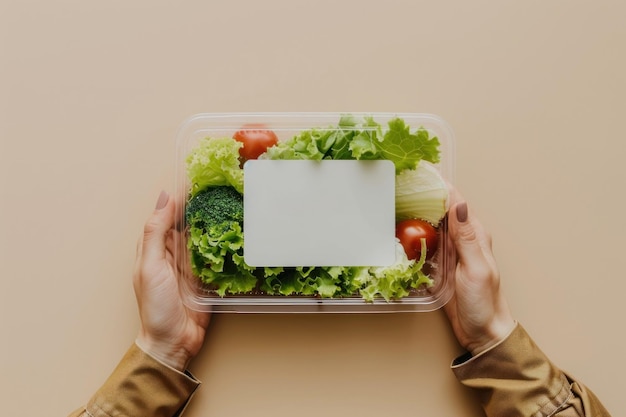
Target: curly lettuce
x,y
397,280
352,139
215,162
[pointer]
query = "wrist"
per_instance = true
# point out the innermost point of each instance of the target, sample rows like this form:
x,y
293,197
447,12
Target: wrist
x,y
176,358
494,334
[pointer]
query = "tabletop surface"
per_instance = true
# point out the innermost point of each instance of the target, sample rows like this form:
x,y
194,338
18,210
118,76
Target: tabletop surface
x,y
92,95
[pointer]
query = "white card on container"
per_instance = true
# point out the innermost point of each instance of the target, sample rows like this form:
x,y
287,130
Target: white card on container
x,y
319,213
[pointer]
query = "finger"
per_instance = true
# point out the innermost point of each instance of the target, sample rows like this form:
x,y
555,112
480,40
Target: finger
x,y
156,229
473,246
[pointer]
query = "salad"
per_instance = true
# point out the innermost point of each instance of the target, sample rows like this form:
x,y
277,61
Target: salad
x,y
214,209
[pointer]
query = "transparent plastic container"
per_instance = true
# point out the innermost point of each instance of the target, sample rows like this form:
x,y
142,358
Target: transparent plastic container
x,y
201,296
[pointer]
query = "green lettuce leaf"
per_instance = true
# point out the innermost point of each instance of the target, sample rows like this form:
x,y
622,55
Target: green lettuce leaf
x,y
396,281
215,162
364,139
406,149
216,258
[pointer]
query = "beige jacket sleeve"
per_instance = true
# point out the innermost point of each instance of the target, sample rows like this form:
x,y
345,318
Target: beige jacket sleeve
x,y
141,386
515,378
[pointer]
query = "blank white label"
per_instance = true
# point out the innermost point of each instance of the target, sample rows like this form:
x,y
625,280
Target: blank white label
x,y
319,213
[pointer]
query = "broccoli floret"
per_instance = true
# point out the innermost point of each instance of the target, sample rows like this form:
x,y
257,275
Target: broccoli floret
x,y
215,206
215,219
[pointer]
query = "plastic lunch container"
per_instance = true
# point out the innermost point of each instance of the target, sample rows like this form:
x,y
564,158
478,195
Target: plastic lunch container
x,y
203,296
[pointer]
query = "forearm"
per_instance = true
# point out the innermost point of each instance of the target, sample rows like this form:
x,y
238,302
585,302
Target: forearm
x,y
514,378
141,385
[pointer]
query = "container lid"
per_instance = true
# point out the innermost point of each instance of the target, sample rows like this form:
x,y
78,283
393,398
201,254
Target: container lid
x,y
329,203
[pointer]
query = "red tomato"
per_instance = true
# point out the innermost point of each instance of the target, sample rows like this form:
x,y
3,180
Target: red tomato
x,y
255,140
410,232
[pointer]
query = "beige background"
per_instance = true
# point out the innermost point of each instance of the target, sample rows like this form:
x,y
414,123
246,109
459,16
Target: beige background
x,y
92,94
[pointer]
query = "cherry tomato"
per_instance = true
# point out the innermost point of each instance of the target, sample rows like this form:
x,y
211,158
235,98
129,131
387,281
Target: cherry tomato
x,y
256,139
410,232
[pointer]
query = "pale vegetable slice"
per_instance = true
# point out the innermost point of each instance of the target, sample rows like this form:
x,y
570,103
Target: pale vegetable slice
x,y
421,193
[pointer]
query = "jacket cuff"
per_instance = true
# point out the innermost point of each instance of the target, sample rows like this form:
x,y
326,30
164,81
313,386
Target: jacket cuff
x,y
514,377
142,385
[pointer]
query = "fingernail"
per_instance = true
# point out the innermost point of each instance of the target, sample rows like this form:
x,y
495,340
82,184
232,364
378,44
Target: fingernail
x,y
461,212
162,201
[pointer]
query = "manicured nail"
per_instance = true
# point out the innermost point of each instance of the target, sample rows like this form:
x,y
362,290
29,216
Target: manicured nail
x,y
461,212
162,201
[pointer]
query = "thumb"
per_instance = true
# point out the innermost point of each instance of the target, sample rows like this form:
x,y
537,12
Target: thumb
x,y
466,233
156,228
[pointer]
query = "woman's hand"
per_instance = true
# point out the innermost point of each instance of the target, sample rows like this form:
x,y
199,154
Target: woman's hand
x,y
169,330
478,311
